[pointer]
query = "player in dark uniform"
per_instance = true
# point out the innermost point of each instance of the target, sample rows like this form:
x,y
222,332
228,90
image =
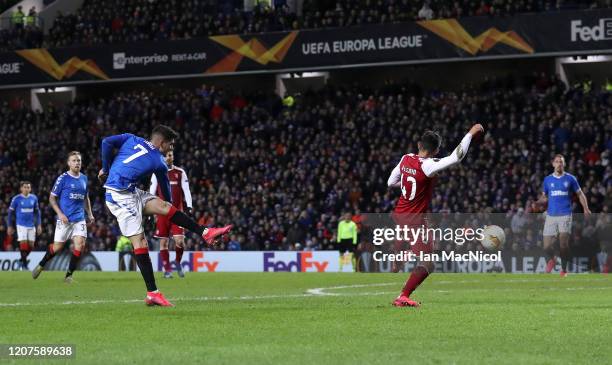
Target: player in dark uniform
x,y
415,176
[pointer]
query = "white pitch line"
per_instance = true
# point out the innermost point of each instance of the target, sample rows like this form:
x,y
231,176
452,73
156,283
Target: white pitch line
x,y
318,292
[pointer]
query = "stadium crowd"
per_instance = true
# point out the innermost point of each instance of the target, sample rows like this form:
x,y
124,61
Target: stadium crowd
x,y
117,21
283,175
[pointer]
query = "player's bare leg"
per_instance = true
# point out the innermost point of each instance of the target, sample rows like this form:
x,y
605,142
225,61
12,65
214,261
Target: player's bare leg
x,y
143,260
165,257
158,206
417,276
25,247
79,246
549,252
52,249
564,253
179,247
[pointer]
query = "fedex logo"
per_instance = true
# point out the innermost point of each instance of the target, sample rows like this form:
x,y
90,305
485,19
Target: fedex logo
x,y
303,263
599,32
195,263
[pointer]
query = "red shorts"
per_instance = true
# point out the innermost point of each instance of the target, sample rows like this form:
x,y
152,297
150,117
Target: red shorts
x,y
418,246
414,222
165,228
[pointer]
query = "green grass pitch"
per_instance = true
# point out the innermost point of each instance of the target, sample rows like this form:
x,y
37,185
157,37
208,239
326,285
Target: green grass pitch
x,y
304,318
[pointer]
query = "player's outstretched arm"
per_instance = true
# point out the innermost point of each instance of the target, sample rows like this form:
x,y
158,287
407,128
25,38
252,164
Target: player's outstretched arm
x,y
394,179
432,166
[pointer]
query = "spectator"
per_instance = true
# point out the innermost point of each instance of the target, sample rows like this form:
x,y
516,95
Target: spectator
x,y
233,244
18,18
283,175
426,13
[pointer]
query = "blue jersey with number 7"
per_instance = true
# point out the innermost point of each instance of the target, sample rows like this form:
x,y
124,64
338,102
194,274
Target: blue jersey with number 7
x,y
136,159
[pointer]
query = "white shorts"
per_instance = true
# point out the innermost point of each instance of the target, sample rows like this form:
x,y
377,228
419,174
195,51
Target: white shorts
x,y
553,225
127,207
26,233
64,232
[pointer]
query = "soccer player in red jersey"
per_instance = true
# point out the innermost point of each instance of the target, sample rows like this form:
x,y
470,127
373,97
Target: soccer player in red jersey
x,y
179,186
415,175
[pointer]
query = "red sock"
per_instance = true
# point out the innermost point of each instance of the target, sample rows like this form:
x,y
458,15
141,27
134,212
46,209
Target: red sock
x,y
165,256
418,275
179,254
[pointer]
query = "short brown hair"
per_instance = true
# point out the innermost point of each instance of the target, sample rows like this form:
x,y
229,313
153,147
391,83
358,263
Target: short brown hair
x,y
24,182
73,153
167,133
558,155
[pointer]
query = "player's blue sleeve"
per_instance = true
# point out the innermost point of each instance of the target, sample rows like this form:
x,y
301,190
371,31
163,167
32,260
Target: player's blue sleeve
x,y
37,209
164,183
12,210
108,144
58,186
545,187
574,184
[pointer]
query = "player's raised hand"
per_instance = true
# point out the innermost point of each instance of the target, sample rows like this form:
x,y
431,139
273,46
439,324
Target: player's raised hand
x,y
102,176
91,219
476,129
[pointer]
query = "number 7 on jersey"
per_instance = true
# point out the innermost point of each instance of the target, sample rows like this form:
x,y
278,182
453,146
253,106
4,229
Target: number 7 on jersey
x,y
143,151
412,181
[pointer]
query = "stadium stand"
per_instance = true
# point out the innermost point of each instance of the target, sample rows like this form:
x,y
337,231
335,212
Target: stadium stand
x,y
283,175
115,21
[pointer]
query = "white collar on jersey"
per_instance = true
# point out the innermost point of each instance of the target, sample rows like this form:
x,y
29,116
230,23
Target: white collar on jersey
x,y
560,176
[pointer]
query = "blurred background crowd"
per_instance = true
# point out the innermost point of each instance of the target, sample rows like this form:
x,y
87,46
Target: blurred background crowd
x,y
117,21
284,173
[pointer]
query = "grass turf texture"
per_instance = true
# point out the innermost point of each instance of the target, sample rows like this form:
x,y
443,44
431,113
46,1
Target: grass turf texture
x,y
232,318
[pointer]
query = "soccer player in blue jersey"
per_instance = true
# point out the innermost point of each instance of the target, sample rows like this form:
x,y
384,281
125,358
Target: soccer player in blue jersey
x,y
558,190
70,189
135,160
27,213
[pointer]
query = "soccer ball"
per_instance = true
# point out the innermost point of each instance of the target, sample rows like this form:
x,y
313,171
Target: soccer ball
x,y
494,238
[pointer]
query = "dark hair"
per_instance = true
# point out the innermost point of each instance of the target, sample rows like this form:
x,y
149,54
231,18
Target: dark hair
x,y
24,182
167,133
431,141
